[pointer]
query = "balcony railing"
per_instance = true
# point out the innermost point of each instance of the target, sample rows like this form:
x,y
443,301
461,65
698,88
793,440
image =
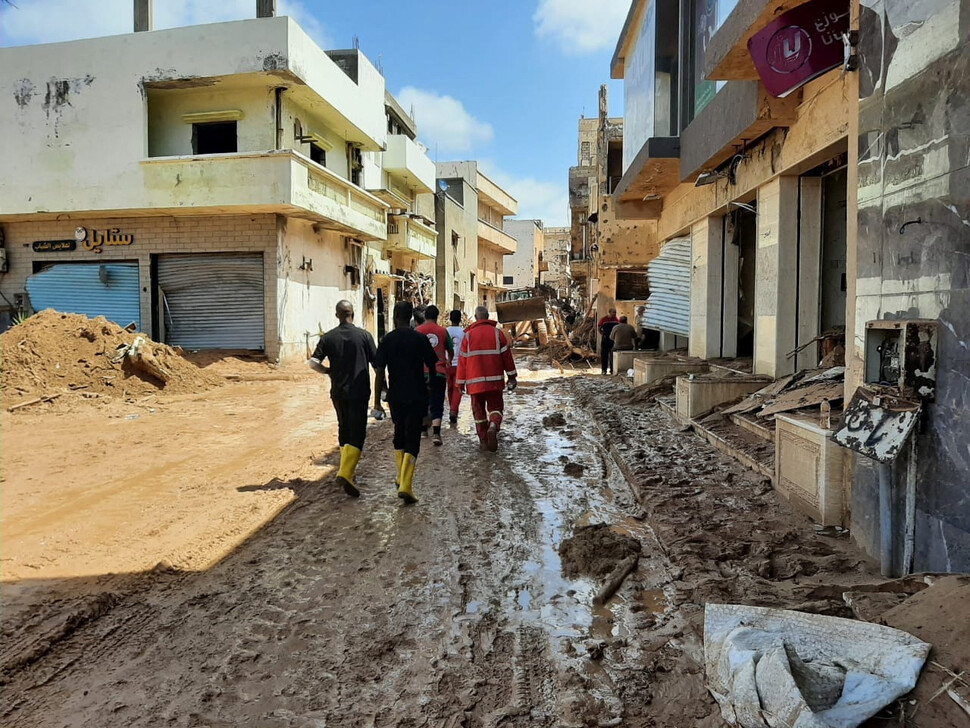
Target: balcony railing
x,y
492,236
488,280
410,236
282,181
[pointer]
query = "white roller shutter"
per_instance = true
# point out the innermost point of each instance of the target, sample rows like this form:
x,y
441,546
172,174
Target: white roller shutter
x,y
668,308
212,301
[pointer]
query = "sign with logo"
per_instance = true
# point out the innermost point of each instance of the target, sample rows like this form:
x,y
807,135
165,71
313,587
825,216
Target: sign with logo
x,y
95,240
53,246
800,45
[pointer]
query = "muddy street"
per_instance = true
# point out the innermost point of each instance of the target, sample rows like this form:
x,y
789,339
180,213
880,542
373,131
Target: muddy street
x,y
487,604
350,613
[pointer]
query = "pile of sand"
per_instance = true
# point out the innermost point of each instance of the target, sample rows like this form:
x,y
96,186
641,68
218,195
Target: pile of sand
x,y
53,352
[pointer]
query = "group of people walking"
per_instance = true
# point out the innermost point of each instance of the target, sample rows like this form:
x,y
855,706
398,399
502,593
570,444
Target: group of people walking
x,y
417,367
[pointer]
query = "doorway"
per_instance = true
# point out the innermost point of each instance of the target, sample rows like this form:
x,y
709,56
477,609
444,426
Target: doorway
x,y
832,283
381,314
738,280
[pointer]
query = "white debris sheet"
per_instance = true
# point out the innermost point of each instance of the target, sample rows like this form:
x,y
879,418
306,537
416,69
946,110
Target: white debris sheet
x,y
785,669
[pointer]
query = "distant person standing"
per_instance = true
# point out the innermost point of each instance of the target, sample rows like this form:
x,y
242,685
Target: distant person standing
x,y
437,375
404,354
605,327
457,333
485,360
623,335
349,350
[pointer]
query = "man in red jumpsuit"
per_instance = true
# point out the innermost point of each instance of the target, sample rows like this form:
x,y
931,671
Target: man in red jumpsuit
x,y
485,360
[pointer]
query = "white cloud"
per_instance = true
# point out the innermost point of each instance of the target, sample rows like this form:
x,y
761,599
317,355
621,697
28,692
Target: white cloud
x,y
538,199
581,26
444,122
31,22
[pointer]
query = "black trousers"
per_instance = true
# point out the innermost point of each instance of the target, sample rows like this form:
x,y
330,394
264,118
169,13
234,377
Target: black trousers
x,y
408,418
606,348
436,396
351,421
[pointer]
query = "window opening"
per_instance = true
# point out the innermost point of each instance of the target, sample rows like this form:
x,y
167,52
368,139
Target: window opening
x,y
218,137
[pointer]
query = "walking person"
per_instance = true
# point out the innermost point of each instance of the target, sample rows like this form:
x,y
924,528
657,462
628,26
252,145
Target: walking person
x,y
485,360
349,350
404,354
457,333
438,375
605,327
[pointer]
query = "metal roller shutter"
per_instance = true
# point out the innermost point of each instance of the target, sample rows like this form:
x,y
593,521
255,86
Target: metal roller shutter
x,y
668,308
92,289
212,301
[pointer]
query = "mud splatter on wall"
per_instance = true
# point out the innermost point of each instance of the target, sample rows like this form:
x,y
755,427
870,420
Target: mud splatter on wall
x,y
914,248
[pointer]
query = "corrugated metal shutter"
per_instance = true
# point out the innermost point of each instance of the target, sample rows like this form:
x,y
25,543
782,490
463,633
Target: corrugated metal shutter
x,y
212,301
92,289
668,308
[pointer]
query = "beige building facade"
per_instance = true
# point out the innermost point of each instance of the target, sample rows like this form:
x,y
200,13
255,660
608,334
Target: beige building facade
x,y
472,244
224,199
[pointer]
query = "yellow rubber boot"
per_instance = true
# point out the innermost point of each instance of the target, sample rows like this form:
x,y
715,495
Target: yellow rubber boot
x,y
399,461
404,491
349,457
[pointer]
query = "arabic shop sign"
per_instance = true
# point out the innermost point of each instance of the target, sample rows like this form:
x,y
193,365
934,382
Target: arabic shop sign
x,y
800,45
92,240
53,246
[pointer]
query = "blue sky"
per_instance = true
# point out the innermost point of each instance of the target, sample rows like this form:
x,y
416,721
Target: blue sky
x,y
503,82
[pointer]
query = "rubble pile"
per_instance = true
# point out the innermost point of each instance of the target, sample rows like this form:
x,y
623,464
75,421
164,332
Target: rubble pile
x,y
52,353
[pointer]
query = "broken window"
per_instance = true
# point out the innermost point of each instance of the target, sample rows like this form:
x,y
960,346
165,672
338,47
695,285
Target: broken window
x,y
632,285
218,137
318,154
356,160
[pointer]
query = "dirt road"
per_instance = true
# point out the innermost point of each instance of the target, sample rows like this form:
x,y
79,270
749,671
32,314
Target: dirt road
x,y
343,612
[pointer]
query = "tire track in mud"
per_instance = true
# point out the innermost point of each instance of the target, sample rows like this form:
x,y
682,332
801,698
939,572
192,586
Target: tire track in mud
x,y
364,613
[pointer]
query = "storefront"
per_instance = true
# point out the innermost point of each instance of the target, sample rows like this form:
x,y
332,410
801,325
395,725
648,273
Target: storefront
x,y
194,282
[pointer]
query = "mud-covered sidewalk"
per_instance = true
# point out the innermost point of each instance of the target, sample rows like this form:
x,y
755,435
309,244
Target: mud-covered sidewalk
x,y
454,612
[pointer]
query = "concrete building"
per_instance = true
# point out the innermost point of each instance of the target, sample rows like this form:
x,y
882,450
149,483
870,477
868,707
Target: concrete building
x,y
523,267
208,183
555,260
402,266
803,185
747,190
908,261
470,210
609,254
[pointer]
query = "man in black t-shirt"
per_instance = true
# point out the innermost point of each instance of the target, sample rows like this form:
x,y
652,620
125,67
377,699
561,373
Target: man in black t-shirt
x,y
349,350
405,353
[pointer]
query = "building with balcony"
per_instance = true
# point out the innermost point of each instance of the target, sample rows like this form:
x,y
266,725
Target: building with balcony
x,y
402,266
554,269
203,182
472,242
609,254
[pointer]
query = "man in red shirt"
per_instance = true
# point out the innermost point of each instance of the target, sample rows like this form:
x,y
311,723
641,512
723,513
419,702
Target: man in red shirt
x,y
438,379
485,360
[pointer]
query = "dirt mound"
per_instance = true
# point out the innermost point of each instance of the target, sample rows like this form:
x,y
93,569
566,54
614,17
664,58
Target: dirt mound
x,y
595,551
53,352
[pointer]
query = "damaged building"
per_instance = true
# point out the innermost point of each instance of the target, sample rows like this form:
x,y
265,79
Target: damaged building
x,y
219,186
810,202
609,254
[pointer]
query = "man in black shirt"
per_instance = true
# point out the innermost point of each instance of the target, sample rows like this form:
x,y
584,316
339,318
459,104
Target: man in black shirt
x,y
349,350
405,353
